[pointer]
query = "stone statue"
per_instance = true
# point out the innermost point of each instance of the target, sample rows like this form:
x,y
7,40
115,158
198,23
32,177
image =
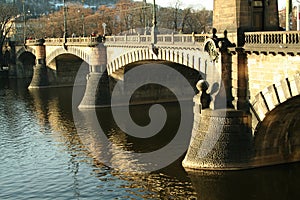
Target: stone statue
x,y
205,98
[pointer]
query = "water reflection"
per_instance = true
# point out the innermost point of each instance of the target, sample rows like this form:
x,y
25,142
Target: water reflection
x,y
51,109
44,156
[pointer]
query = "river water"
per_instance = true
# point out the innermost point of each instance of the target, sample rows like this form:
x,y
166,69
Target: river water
x,y
45,156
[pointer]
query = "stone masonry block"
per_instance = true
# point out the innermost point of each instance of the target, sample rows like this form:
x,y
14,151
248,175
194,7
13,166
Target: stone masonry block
x,y
270,97
260,107
280,88
293,87
286,88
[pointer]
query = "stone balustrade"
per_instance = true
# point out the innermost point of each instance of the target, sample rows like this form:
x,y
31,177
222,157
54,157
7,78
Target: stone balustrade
x,y
126,39
78,41
276,42
274,38
161,39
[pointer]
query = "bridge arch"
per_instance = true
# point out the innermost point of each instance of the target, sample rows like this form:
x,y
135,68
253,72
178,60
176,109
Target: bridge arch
x,y
183,56
71,50
276,138
129,57
149,91
25,60
272,97
24,50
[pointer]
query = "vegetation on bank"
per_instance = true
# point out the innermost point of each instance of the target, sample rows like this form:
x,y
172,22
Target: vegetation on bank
x,y
125,16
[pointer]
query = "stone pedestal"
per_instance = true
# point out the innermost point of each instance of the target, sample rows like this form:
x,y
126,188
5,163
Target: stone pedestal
x,y
97,93
221,140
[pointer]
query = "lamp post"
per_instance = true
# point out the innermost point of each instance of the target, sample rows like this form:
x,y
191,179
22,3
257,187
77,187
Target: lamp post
x,y
65,21
144,15
82,22
24,22
82,18
154,22
287,14
104,29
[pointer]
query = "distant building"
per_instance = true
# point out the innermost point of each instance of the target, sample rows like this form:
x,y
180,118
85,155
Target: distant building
x,y
293,18
17,31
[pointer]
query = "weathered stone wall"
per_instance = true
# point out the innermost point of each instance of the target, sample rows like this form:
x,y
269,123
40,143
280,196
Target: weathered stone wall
x,y
241,14
260,71
265,70
227,11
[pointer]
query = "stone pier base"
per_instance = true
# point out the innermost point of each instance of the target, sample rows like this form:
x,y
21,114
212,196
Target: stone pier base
x,y
97,93
40,77
221,140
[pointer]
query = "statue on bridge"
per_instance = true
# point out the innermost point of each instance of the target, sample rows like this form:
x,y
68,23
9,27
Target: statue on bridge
x,y
205,98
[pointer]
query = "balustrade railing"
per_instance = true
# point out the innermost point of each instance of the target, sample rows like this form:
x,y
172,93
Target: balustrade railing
x,y
128,39
274,39
161,39
70,41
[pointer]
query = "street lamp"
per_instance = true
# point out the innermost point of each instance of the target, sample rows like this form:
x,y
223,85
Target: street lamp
x,y
154,22
104,29
82,21
65,21
24,22
144,15
82,18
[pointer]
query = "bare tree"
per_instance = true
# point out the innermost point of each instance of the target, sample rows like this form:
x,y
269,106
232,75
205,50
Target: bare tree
x,y
7,14
78,22
125,17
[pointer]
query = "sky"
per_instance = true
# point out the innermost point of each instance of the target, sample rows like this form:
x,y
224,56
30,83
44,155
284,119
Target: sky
x,y
208,4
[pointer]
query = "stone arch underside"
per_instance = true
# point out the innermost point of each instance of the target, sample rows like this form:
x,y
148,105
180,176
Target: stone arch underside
x,y
68,67
23,49
193,63
25,62
195,58
157,88
272,96
277,137
276,119
71,50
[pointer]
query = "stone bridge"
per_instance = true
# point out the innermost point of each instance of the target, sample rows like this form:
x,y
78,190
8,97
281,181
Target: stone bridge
x,y
256,73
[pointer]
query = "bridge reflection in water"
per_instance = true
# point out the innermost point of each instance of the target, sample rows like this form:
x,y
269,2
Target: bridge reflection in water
x,y
52,110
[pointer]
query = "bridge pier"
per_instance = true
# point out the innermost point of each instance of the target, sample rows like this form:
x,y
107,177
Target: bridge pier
x,y
221,139
221,136
97,92
40,76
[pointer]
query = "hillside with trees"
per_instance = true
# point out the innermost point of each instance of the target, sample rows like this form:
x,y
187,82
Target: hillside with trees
x,y
125,16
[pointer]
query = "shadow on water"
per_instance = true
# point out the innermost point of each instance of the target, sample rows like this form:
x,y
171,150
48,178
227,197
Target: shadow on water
x,y
276,182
